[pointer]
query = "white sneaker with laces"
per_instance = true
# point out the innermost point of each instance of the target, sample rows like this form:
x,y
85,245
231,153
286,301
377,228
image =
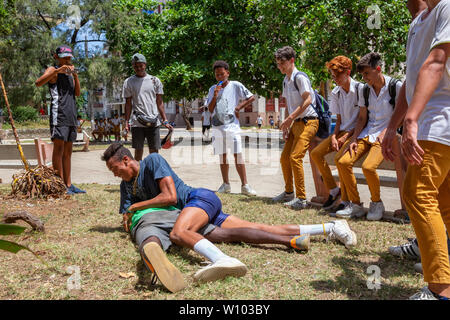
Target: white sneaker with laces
x,y
423,294
222,268
247,190
376,210
224,188
407,250
296,204
342,232
351,210
283,197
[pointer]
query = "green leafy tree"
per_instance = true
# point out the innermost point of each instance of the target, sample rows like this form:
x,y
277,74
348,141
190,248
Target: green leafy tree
x,y
188,36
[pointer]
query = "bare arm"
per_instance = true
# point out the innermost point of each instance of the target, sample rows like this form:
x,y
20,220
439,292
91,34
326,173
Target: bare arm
x,y
430,75
167,197
128,108
49,75
307,100
77,85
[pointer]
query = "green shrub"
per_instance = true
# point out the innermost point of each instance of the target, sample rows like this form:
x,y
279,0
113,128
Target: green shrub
x,y
24,113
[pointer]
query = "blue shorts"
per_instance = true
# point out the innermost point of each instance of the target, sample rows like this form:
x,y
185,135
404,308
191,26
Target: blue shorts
x,y
208,201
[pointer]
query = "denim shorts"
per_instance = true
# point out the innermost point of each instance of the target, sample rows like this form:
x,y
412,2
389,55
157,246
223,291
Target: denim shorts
x,y
208,201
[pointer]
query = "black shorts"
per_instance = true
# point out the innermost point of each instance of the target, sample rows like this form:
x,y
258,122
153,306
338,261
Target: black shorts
x,y
67,134
139,134
204,128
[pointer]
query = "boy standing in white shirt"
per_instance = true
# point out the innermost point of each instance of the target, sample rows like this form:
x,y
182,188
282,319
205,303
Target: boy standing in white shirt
x,y
299,128
225,100
426,143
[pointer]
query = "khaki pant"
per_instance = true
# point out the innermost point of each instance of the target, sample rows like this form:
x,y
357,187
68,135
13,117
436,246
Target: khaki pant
x,y
369,167
293,153
426,192
318,156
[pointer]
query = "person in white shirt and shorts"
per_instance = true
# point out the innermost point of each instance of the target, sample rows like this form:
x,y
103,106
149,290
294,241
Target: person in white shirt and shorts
x,y
225,100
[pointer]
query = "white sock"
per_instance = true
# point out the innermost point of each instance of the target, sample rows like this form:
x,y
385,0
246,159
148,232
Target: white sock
x,y
334,191
207,249
315,229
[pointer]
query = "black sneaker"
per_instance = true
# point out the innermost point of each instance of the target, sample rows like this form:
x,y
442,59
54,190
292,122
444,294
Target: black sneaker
x,y
331,201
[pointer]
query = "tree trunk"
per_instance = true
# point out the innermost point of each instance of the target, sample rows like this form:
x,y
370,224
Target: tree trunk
x,y
187,110
35,223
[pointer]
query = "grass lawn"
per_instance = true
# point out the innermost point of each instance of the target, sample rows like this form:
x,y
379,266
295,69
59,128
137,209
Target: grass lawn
x,y
85,231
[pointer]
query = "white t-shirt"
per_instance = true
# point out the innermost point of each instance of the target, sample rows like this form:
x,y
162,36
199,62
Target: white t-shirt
x,y
227,100
346,104
115,121
206,118
143,93
294,97
260,120
380,110
424,35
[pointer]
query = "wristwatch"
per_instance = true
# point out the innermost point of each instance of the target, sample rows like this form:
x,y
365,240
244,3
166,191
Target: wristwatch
x,y
165,122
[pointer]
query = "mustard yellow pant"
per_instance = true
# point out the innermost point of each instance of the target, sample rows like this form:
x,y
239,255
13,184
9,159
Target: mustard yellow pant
x,y
318,156
293,153
426,192
369,167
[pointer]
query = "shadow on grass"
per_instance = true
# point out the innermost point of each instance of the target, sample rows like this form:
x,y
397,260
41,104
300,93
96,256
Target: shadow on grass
x,y
112,190
265,200
353,280
103,229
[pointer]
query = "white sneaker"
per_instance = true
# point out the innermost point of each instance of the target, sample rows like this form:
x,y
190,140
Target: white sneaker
x,y
220,269
296,204
342,232
423,294
376,210
224,188
351,210
284,197
407,250
247,190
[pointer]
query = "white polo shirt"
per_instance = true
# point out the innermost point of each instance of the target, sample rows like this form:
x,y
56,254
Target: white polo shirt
x,y
380,110
294,97
346,104
424,35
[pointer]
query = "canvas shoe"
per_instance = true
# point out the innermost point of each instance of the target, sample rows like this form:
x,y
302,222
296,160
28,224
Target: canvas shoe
x,y
284,197
376,210
340,207
330,203
224,188
351,210
424,294
408,250
247,190
342,232
301,242
156,261
296,203
222,268
74,190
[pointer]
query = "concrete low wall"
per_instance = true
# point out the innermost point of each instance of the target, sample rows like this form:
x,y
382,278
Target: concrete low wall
x,y
30,133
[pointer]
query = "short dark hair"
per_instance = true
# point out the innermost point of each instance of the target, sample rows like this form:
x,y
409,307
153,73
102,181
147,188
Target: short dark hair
x,y
221,64
117,151
372,60
285,53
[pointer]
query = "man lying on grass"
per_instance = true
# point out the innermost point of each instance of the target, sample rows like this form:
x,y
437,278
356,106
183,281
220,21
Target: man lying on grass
x,y
193,218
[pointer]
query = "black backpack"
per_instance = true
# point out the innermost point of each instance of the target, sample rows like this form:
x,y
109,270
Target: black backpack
x,y
322,109
392,86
